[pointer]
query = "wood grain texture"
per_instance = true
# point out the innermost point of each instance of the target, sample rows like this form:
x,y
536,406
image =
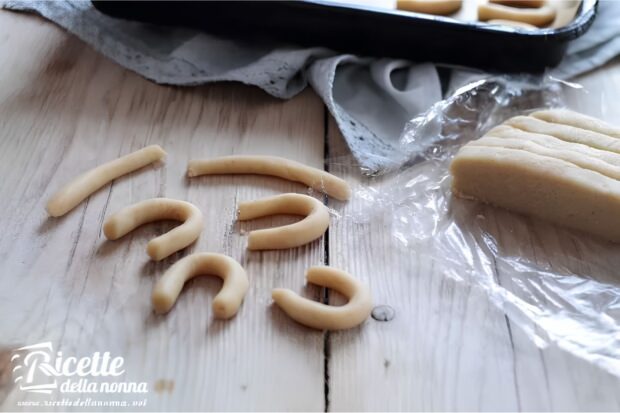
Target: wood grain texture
x,y
64,109
447,347
551,378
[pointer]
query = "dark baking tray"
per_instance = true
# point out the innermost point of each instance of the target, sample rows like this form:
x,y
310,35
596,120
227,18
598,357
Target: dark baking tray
x,y
369,31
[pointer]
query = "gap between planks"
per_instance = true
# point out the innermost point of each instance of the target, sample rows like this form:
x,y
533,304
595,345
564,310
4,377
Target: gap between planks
x,y
325,291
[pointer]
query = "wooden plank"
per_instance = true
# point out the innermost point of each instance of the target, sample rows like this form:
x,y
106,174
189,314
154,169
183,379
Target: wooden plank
x,y
552,379
448,348
63,109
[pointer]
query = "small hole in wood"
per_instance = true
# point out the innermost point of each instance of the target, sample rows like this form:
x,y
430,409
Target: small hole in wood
x,y
383,313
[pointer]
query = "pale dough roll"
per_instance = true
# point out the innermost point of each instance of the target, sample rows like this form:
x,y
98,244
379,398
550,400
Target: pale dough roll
x,y
565,132
437,7
512,24
505,131
69,196
129,218
541,186
539,17
322,316
520,3
577,158
273,166
578,120
307,230
225,304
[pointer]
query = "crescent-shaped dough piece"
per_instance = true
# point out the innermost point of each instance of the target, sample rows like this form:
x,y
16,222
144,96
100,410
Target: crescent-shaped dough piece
x,y
69,196
273,166
539,17
520,3
131,217
322,316
288,236
225,304
437,7
578,120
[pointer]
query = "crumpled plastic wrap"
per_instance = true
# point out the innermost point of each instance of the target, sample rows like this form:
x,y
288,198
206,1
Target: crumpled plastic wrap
x,y
558,285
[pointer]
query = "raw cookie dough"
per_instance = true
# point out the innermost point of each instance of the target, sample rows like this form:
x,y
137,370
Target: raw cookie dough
x,y
566,133
322,316
274,166
437,7
512,24
539,17
307,230
570,177
575,157
129,218
520,3
69,196
225,304
570,118
553,143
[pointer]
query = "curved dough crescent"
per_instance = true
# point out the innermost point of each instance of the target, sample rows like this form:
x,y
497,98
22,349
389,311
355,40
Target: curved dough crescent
x,y
322,316
273,166
80,188
225,304
131,217
288,236
539,17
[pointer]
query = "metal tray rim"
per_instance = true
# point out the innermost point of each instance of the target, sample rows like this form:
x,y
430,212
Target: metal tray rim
x,y
573,30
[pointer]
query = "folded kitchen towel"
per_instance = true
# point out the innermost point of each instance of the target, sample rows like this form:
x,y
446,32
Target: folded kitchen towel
x,y
371,99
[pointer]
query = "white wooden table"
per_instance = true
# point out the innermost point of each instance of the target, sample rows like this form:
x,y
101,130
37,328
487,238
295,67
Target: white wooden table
x,y
64,108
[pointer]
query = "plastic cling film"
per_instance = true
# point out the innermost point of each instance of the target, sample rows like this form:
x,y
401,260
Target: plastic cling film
x,y
473,108
558,285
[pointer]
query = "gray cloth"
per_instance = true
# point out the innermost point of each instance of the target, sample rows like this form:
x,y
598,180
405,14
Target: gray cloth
x,y
371,99
598,46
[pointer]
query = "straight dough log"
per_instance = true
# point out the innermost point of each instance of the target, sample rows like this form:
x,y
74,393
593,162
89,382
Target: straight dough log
x,y
83,186
567,182
570,118
273,166
520,3
511,23
437,7
548,141
580,159
566,133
